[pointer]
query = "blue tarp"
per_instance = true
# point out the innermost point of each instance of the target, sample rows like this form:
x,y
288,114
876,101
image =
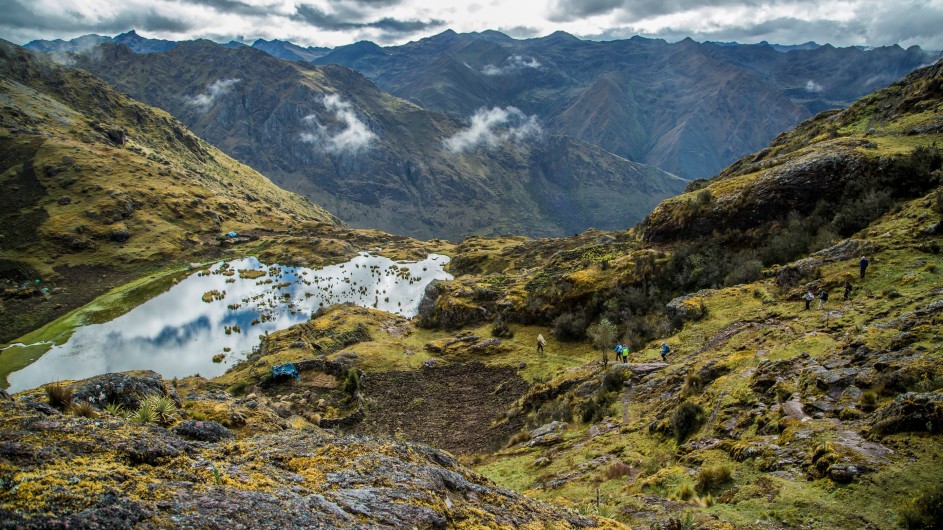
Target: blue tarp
x,y
232,234
285,369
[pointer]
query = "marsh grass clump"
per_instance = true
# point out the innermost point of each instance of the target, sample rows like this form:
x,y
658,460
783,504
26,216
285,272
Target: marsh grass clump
x,y
84,410
59,396
686,420
618,470
709,478
518,438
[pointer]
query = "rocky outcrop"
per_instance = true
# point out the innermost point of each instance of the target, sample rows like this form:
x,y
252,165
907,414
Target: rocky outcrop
x,y
123,475
125,389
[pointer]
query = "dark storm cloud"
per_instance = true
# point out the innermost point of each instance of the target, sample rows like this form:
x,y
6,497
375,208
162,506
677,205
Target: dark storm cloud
x,y
331,22
20,15
570,10
233,6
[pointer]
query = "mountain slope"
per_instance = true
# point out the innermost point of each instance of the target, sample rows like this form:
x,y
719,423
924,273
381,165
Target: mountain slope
x,y
99,188
694,107
380,162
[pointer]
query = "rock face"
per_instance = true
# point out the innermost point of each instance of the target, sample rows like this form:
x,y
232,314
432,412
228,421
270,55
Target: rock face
x,y
124,389
121,475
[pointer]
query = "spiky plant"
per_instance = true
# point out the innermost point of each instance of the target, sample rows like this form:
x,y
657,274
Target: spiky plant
x,y
84,410
116,409
145,414
165,410
59,396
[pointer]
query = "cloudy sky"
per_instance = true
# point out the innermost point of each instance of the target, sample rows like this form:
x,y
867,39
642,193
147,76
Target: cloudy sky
x,y
388,22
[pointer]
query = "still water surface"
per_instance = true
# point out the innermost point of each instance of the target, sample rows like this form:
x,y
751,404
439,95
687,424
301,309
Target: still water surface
x,y
177,333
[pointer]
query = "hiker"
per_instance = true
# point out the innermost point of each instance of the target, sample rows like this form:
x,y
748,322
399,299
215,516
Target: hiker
x,y
823,297
541,342
625,353
808,297
618,349
664,351
847,289
864,265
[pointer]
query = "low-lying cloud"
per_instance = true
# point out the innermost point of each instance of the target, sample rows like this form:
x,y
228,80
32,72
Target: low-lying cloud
x,y
493,127
205,100
812,86
511,64
354,137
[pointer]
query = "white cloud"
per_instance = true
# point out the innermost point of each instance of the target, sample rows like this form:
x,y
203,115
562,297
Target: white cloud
x,y
354,137
204,101
812,86
511,64
493,127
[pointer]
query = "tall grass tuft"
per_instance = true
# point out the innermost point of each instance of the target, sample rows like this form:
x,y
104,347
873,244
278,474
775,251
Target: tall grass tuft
x,y
59,395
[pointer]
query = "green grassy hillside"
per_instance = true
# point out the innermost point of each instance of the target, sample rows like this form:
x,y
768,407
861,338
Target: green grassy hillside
x,y
99,189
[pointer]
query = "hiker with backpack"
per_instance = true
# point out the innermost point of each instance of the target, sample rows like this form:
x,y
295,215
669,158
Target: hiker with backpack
x,y
864,265
665,350
847,290
808,297
823,298
541,342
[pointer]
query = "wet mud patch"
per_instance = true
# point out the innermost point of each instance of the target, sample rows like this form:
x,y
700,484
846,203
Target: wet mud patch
x,y
450,407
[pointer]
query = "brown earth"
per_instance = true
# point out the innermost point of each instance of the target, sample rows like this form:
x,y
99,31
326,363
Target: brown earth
x,y
451,407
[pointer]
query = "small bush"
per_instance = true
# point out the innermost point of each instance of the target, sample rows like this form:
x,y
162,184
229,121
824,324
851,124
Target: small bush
x,y
613,380
60,396
692,386
570,326
709,478
351,384
501,330
868,401
84,410
618,470
686,420
925,511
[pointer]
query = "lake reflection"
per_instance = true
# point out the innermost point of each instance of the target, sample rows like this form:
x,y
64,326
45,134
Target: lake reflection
x,y
177,334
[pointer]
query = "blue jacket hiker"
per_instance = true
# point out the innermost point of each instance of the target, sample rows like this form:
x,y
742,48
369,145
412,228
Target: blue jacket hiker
x,y
664,351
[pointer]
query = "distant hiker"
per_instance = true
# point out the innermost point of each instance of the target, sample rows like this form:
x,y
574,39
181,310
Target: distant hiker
x,y
864,265
618,350
625,353
808,297
541,342
665,350
847,290
823,298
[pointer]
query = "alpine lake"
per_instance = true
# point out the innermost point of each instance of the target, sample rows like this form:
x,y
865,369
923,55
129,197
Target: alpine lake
x,y
222,311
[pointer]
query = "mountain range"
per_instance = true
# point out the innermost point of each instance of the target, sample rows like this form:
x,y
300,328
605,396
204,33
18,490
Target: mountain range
x,y
378,161
688,108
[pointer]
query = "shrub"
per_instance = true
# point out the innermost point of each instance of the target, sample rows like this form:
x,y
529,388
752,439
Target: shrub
x,y
613,380
570,326
925,511
709,478
60,396
686,420
868,401
692,385
501,329
351,384
84,410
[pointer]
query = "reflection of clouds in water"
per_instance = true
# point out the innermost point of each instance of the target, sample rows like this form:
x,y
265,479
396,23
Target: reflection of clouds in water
x,y
177,334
